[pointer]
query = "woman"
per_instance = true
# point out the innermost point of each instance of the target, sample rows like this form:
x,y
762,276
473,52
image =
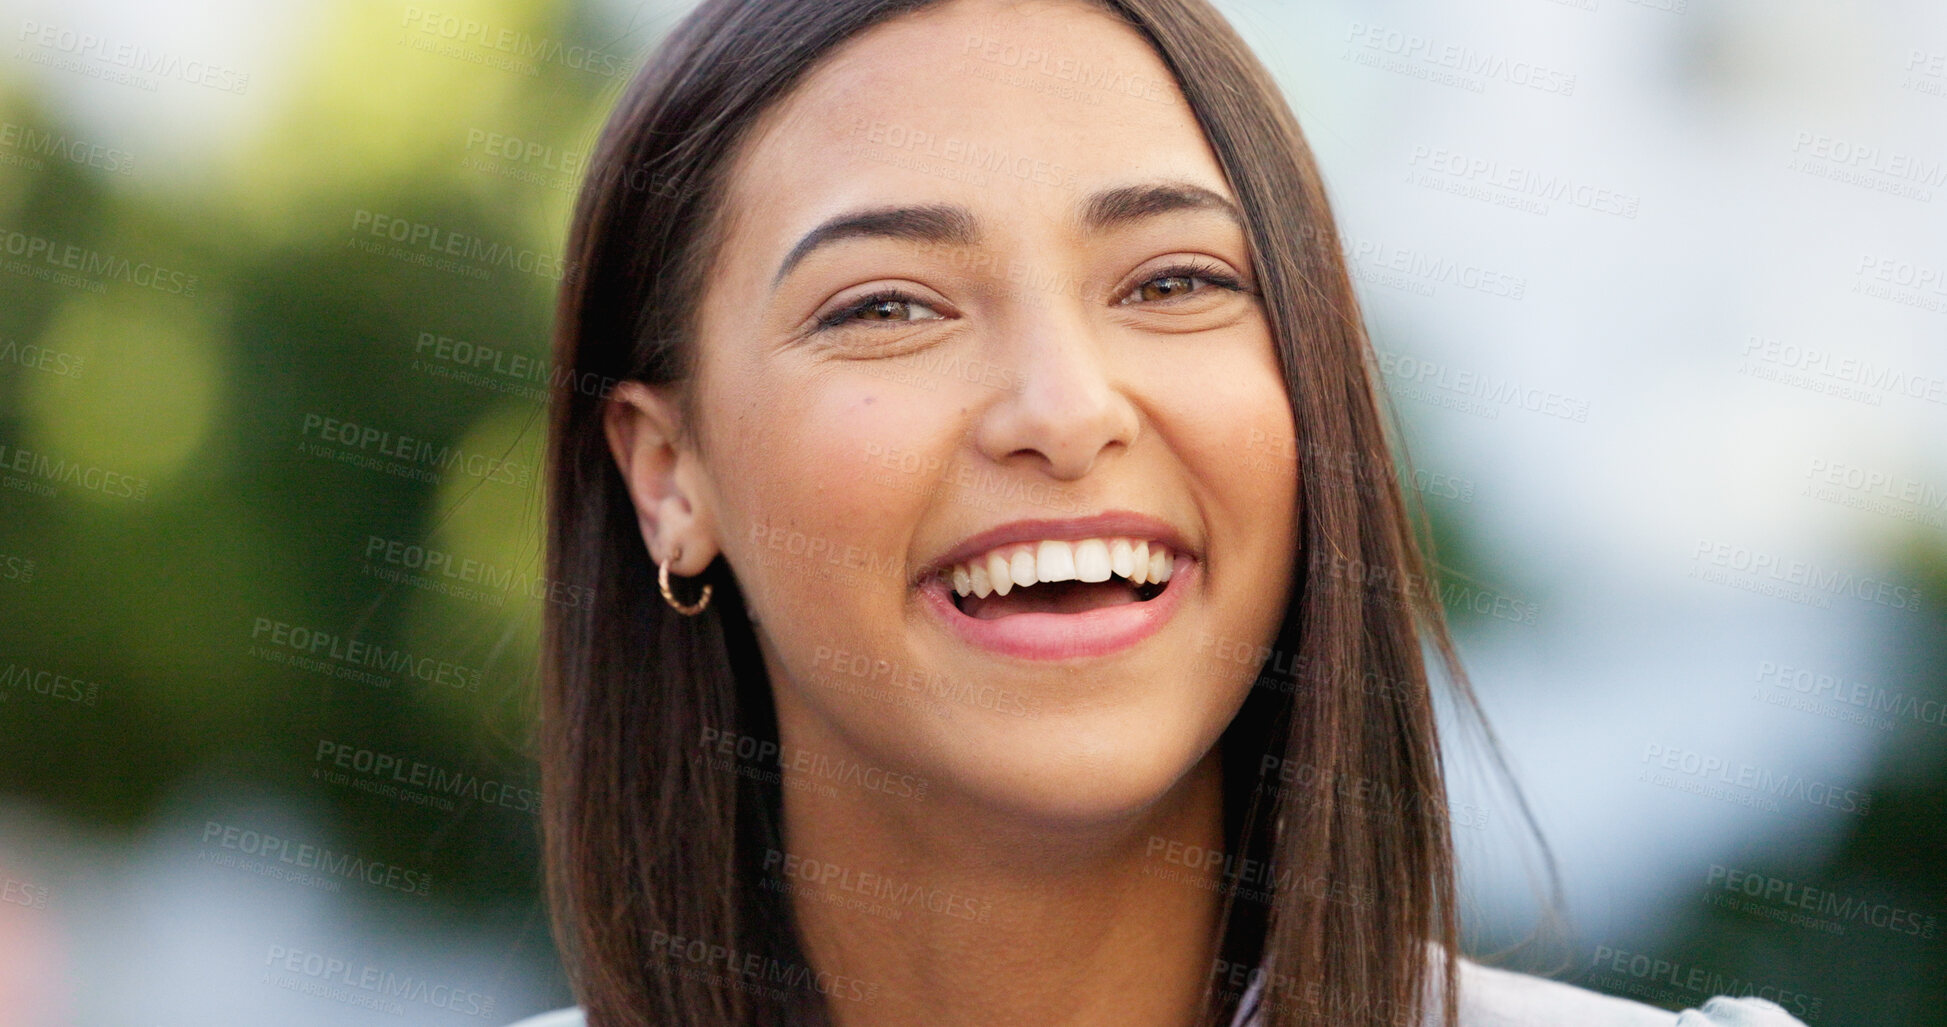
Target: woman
x,y
972,642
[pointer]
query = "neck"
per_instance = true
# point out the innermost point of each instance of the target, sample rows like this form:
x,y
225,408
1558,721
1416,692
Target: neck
x,y
958,915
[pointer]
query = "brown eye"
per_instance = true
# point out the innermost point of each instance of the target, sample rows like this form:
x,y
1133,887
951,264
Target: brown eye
x,y
1181,280
882,308
886,310
1166,288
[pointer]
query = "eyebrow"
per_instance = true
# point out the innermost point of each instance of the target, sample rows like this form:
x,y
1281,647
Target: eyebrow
x,y
952,224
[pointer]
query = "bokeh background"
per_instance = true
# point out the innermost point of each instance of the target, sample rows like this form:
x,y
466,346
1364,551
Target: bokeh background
x,y
1659,289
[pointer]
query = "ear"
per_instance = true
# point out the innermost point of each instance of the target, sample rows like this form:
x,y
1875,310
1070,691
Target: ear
x,y
665,483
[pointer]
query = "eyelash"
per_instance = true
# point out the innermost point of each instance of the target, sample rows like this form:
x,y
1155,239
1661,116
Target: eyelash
x,y
1188,269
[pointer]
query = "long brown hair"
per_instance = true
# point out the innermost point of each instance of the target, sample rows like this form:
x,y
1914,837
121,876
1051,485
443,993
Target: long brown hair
x,y
653,861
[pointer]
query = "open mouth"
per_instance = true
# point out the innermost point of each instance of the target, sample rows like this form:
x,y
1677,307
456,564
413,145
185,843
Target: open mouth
x,y
1058,597
1059,577
1062,600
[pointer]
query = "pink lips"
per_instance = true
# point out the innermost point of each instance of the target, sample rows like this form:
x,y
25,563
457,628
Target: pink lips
x,y
1061,636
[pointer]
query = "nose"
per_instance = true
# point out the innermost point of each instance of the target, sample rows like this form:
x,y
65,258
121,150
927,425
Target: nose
x,y
1068,405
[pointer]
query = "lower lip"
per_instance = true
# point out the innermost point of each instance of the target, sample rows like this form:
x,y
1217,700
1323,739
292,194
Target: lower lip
x,y
1064,636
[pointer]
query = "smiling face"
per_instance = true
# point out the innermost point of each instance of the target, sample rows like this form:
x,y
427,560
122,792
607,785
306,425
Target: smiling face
x,y
967,301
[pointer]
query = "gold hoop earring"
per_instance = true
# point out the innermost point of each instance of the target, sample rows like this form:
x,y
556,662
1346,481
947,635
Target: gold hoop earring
x,y
662,581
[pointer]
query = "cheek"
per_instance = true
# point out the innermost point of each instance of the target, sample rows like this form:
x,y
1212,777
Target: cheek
x,y
1234,434
1257,446
1234,427
829,484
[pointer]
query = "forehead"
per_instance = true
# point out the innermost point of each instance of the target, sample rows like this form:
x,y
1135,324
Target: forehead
x,y
1024,107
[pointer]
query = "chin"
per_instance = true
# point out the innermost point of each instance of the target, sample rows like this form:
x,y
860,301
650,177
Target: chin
x,y
1097,769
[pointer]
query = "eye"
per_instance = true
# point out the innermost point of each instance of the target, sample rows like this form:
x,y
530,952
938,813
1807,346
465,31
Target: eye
x,y
884,306
1180,280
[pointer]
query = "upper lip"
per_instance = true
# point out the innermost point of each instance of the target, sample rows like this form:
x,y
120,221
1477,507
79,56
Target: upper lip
x,y
1068,529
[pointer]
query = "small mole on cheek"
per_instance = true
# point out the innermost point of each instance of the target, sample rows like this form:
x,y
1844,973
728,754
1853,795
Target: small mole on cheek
x,y
869,400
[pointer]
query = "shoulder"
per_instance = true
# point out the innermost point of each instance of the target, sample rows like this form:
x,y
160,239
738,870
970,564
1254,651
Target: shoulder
x,y
569,1017
1491,997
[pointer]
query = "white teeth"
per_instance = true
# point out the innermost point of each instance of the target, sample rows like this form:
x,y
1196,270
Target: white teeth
x,y
1022,567
1122,557
998,572
1054,561
1094,559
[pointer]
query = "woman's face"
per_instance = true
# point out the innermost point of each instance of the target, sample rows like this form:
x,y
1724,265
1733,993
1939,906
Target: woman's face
x,y
998,346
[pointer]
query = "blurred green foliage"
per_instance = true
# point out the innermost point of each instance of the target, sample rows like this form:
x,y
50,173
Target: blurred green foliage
x,y
218,397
